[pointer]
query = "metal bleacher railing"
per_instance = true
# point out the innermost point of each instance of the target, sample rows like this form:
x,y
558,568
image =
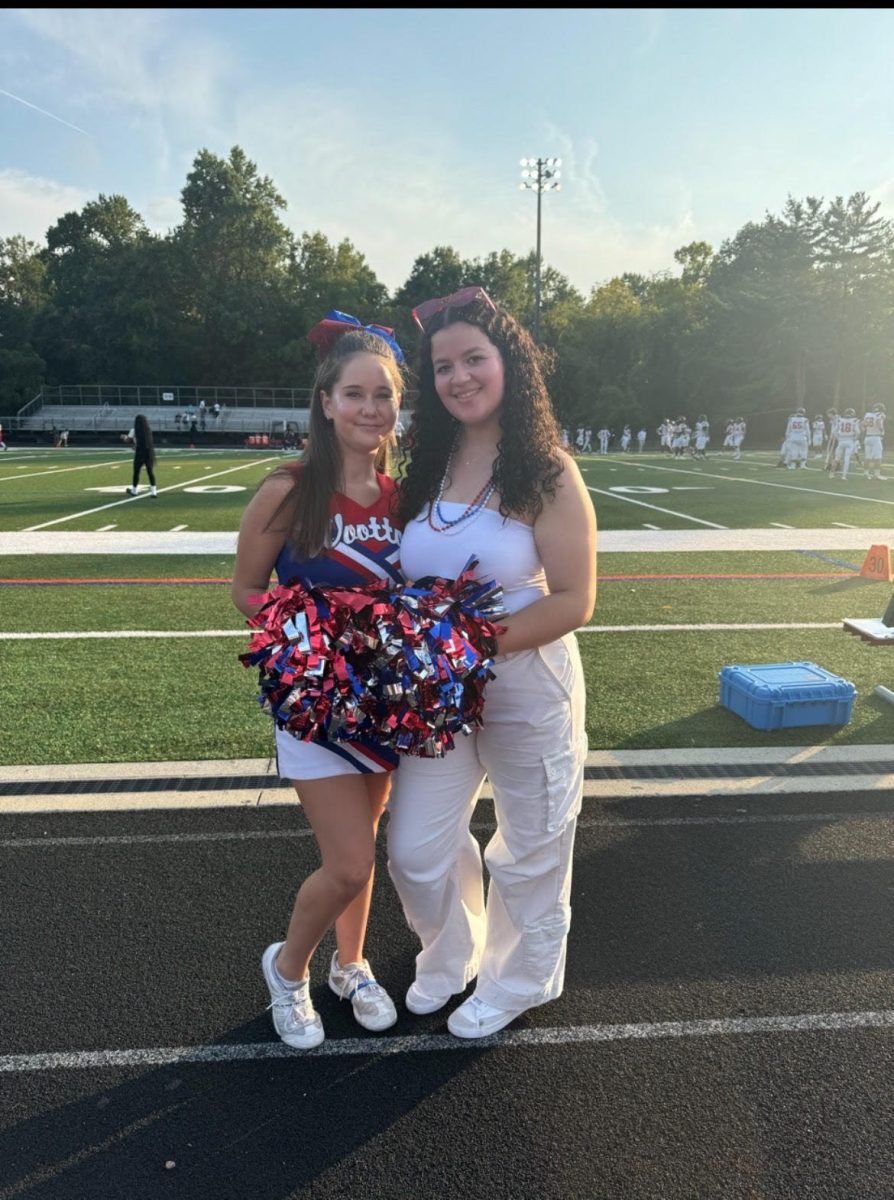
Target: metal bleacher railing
x,y
104,409
141,394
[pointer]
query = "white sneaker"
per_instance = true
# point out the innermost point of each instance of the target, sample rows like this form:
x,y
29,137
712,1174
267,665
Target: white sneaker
x,y
475,1019
294,1017
131,491
420,1003
373,1007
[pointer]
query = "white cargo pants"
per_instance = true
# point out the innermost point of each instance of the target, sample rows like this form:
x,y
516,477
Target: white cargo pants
x,y
532,748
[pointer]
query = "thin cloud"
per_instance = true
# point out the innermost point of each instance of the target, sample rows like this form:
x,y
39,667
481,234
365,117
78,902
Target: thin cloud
x,y
29,204
52,116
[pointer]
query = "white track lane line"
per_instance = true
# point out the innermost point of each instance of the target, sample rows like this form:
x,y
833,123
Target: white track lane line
x,y
160,1056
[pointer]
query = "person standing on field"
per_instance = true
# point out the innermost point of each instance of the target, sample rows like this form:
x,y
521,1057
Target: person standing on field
x,y
143,455
873,446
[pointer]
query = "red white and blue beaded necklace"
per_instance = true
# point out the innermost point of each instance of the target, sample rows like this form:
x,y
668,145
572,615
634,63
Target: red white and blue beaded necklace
x,y
472,509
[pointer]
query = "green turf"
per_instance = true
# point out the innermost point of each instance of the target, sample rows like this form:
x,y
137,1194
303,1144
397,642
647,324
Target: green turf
x,y
60,497
667,695
621,601
749,493
149,700
122,700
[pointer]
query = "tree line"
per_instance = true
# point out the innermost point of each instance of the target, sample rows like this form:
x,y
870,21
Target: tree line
x,y
797,308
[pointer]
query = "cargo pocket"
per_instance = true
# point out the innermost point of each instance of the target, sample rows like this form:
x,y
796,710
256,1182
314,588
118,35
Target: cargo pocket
x,y
558,667
564,784
544,944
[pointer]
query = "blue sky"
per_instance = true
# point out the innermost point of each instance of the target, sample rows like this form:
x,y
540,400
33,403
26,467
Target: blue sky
x,y
404,130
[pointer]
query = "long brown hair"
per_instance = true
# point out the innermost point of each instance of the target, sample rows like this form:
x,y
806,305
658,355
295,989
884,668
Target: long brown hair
x,y
528,460
319,474
143,440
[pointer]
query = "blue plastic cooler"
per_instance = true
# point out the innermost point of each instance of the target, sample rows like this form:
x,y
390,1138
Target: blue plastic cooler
x,y
781,695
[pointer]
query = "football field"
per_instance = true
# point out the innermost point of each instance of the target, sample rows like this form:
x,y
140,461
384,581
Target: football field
x,y
120,642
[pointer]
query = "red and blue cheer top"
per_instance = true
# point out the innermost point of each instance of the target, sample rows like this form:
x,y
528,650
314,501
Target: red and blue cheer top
x,y
364,544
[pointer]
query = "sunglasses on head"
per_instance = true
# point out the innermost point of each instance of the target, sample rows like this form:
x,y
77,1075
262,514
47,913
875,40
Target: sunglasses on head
x,y
424,312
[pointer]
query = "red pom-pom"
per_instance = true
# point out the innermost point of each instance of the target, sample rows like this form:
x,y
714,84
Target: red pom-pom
x,y
404,666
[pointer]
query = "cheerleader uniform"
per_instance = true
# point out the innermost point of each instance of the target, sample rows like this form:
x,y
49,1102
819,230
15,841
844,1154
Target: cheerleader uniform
x,y
364,546
532,747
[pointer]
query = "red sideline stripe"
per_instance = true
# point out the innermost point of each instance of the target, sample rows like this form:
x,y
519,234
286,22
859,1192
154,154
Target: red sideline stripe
x,y
142,579
740,575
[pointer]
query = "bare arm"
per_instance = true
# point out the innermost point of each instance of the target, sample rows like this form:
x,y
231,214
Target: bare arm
x,y
259,545
565,535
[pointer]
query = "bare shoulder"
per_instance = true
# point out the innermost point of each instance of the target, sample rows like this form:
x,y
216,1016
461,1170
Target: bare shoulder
x,y
271,495
569,481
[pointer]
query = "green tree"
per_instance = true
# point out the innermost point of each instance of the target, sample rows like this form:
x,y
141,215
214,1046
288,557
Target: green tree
x,y
323,276
233,259
95,315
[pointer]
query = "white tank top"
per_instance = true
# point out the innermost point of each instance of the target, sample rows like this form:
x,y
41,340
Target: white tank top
x,y
504,548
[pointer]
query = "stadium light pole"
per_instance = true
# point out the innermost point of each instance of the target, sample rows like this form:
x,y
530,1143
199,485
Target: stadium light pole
x,y
539,175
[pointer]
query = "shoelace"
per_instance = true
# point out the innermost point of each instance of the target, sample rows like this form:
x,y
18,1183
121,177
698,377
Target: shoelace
x,y
482,1009
356,979
297,1001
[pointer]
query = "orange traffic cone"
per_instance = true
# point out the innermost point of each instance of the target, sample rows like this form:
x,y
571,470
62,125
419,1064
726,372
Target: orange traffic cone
x,y
877,564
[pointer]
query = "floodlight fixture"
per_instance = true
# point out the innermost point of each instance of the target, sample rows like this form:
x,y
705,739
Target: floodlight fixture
x,y
543,178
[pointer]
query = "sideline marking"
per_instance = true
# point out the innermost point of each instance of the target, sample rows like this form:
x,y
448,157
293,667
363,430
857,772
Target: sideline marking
x,y
100,634
653,577
669,511
65,581
161,1056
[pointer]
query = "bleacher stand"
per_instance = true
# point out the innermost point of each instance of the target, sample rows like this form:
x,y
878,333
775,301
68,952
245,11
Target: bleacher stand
x,y
98,420
206,416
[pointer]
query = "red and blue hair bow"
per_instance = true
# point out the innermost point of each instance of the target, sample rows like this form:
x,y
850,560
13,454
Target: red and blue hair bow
x,y
326,333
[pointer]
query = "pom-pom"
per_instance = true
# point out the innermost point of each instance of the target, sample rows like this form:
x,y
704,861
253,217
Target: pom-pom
x,y
404,666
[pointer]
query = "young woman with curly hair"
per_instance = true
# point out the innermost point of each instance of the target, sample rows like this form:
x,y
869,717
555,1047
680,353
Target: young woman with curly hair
x,y
488,478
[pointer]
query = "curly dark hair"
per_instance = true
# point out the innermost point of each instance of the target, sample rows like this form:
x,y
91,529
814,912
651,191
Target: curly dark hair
x,y
528,461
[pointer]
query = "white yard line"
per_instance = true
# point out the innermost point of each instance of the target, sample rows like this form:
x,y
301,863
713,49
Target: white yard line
x,y
789,487
160,1056
143,495
109,634
669,511
62,470
709,628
